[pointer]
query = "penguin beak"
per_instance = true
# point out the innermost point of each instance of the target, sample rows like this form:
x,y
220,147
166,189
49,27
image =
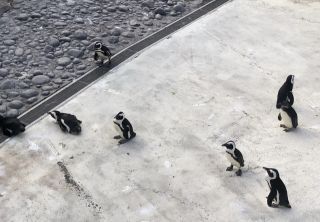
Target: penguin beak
x,y
224,144
265,168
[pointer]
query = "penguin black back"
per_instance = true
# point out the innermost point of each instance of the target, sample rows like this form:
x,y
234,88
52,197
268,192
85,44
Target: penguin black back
x,y
11,126
67,122
285,92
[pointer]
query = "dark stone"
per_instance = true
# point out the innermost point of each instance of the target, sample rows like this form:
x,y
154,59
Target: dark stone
x,y
160,11
4,72
80,35
40,80
53,42
16,104
75,53
29,93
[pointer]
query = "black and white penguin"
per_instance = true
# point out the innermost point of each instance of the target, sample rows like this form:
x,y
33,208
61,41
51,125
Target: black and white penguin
x,y
288,116
11,126
67,122
278,195
101,53
124,128
285,92
234,156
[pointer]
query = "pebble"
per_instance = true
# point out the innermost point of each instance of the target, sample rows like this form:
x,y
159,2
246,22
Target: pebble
x,y
9,42
53,42
75,53
19,52
22,17
40,80
16,104
29,93
80,35
4,72
64,61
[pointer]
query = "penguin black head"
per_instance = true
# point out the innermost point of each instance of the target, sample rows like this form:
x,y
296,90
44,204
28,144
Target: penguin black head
x,y
98,45
55,114
119,116
230,145
272,173
290,81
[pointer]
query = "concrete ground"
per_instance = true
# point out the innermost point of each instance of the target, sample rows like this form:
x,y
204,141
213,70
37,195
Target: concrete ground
x,y
215,80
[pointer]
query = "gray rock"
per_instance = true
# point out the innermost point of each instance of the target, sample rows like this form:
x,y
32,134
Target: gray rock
x,y
128,34
48,48
3,109
64,61
148,3
4,72
16,104
113,39
12,94
134,22
78,20
22,17
23,85
158,16
148,23
35,15
65,39
60,24
81,67
75,53
123,8
58,81
116,31
40,80
19,52
53,42
45,93
12,113
160,11
76,61
50,74
58,53
8,84
37,72
32,100
179,8
80,35
29,93
9,42
66,32
111,9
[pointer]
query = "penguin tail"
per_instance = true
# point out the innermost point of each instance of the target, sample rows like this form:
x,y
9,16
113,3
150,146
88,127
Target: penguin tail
x,y
133,135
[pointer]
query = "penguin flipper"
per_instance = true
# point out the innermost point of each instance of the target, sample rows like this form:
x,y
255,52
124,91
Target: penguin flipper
x,y
271,197
7,132
291,98
95,57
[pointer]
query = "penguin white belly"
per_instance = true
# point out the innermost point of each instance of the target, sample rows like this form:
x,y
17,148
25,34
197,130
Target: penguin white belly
x,y
232,161
102,56
286,120
117,128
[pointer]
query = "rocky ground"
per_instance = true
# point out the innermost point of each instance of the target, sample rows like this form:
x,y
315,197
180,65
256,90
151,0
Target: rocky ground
x,y
47,44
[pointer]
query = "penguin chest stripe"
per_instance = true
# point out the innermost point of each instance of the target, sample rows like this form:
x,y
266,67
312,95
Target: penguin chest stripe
x,y
65,125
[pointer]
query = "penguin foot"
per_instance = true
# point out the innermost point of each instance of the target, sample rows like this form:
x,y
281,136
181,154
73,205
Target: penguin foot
x,y
117,137
230,168
239,173
274,205
283,126
123,141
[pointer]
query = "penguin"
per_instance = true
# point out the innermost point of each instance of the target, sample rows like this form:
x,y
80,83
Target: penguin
x,y
11,126
67,122
234,156
101,52
124,128
288,116
278,195
285,92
